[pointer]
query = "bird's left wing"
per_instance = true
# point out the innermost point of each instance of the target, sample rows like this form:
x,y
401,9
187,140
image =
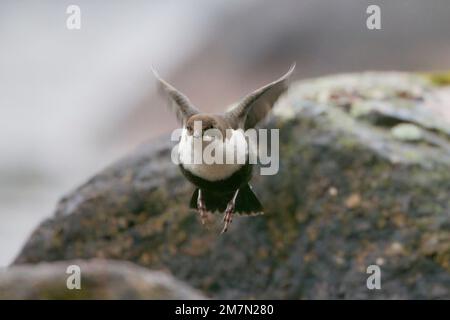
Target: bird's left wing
x,y
178,102
255,106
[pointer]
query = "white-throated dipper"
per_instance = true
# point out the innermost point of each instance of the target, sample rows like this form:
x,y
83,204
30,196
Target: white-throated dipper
x,y
222,186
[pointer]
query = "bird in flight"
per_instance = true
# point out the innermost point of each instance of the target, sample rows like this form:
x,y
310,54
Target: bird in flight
x,y
221,186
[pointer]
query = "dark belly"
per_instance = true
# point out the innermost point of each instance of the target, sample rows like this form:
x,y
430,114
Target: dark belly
x,y
227,185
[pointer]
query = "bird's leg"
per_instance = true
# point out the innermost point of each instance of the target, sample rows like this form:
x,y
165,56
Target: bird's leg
x,y
201,207
229,211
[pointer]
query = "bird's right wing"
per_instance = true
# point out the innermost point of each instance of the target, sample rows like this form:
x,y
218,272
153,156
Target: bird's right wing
x,y
255,106
178,102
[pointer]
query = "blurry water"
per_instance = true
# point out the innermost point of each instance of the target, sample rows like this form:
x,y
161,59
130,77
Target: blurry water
x,y
61,91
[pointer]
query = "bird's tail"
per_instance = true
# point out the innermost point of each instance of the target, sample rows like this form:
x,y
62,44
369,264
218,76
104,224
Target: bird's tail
x,y
246,201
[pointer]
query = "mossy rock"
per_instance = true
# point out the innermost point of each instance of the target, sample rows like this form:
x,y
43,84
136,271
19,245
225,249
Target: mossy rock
x,y
349,194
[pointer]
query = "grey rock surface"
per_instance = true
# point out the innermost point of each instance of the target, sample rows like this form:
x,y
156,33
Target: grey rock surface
x,y
348,194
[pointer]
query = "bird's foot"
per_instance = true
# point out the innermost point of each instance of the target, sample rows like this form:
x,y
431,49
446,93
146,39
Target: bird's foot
x,y
228,217
201,208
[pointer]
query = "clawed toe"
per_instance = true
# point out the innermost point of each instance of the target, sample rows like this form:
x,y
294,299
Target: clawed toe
x,y
202,213
201,208
228,217
229,211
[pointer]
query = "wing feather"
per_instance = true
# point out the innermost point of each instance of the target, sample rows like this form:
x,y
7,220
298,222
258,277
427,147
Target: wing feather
x,y
255,106
178,102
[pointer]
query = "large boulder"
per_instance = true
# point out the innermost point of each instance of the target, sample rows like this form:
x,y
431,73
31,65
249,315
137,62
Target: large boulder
x,y
364,179
99,279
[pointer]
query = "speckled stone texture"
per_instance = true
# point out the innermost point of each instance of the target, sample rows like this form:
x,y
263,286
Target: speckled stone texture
x,y
354,189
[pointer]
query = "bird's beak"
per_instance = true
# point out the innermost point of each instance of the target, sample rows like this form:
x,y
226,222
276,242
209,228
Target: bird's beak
x,y
197,135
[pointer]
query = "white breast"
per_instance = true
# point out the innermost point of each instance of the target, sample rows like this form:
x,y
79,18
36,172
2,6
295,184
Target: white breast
x,y
188,150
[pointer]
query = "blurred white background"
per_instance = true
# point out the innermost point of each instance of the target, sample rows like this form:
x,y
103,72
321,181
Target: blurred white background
x,y
72,102
63,92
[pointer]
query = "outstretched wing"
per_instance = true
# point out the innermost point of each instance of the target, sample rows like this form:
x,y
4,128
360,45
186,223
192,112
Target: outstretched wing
x,y
254,107
178,102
